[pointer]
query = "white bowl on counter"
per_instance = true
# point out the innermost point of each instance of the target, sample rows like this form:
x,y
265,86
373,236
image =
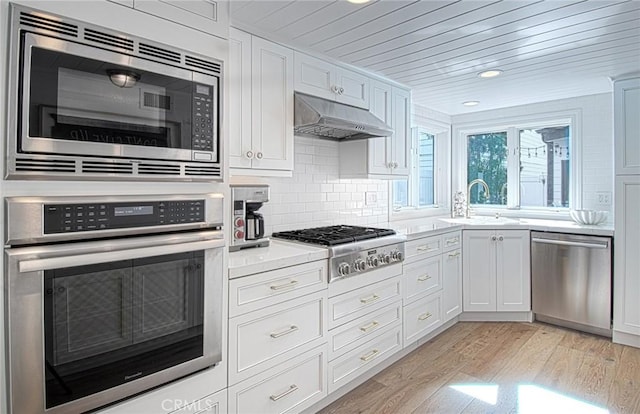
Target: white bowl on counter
x,y
588,217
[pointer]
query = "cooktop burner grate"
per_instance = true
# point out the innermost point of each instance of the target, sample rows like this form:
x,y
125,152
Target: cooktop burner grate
x,y
334,235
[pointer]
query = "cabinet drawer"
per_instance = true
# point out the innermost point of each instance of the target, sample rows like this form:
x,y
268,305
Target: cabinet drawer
x,y
422,317
260,340
258,291
211,404
349,366
422,278
357,303
451,241
351,335
425,247
295,385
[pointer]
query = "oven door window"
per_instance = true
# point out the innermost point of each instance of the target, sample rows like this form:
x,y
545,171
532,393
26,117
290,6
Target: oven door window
x,y
76,98
111,323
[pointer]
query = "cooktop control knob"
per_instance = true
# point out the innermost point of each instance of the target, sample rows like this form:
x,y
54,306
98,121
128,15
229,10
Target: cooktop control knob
x,y
344,269
360,265
396,255
385,258
373,261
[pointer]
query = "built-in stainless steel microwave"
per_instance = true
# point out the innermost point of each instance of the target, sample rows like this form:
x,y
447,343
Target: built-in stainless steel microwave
x,y
90,103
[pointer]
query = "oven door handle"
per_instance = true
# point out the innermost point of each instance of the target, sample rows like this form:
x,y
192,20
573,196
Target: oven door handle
x,y
143,248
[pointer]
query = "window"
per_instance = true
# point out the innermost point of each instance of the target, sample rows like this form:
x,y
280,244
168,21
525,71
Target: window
x,y
419,189
534,160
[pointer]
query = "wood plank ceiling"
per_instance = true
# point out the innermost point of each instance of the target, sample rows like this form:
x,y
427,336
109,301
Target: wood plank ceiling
x,y
547,49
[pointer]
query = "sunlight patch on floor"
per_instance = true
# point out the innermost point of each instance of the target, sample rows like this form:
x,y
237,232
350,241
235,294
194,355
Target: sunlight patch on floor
x,y
484,392
532,399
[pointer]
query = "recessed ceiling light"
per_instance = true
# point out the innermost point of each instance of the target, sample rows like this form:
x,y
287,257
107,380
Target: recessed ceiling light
x,y
358,1
490,73
470,103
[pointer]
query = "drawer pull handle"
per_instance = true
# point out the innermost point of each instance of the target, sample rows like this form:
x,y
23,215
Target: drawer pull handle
x,y
370,299
426,248
292,329
424,277
288,284
452,255
292,388
424,316
370,355
370,326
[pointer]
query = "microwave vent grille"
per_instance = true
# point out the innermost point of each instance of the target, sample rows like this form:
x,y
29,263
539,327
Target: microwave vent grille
x,y
101,167
48,23
158,169
158,52
36,165
208,66
202,170
108,39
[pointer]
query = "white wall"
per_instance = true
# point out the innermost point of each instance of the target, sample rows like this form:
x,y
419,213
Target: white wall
x,y
594,134
316,196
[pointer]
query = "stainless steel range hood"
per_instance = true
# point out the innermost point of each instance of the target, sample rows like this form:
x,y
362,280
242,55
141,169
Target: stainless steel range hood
x,y
322,118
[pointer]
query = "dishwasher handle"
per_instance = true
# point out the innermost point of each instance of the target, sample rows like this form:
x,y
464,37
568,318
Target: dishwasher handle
x,y
571,243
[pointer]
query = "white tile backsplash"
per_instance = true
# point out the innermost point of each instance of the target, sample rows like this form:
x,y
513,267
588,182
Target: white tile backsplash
x,y
316,196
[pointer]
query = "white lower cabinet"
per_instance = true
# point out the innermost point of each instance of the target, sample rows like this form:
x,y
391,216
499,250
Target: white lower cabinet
x,y
432,291
422,316
292,386
211,404
451,284
496,271
278,339
356,362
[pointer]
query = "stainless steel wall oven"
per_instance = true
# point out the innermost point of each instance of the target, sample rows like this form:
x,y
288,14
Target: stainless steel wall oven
x,y
97,312
92,103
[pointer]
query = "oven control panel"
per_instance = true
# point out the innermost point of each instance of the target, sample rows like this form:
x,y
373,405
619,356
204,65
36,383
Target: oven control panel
x,y
203,127
357,262
67,218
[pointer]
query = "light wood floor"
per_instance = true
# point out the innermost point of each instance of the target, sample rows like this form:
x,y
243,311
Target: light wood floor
x,y
511,368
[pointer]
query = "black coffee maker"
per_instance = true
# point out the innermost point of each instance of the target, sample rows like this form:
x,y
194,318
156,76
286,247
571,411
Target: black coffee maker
x,y
248,223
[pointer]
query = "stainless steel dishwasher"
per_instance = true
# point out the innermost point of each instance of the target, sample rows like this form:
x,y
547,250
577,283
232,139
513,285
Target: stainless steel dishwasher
x,y
571,281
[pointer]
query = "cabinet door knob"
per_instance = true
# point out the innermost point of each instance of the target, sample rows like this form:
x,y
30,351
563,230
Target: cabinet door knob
x,y
259,155
341,90
493,238
249,154
501,238
335,89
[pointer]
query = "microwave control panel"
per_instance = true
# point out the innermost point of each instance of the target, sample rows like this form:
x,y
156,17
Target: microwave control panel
x,y
202,118
67,218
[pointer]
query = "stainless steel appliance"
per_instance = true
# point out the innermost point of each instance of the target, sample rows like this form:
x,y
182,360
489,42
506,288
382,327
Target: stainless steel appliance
x,y
571,281
248,223
353,250
319,117
91,103
97,312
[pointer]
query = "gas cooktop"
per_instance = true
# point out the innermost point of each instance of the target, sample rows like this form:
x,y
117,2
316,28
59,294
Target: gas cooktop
x,y
334,235
352,249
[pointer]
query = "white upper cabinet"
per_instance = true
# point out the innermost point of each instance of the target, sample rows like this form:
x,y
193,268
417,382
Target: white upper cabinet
x,y
260,106
207,16
384,157
627,126
317,77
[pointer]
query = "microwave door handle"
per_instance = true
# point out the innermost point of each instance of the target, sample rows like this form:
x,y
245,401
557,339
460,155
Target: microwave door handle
x,y
90,258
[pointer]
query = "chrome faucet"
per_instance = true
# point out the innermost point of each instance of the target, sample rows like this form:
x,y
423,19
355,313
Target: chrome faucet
x,y
471,184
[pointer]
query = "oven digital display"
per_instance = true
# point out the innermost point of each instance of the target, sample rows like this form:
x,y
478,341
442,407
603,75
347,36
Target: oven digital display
x,y
203,90
132,211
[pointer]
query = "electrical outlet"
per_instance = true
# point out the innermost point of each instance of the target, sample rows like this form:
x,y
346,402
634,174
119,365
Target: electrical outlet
x,y
370,198
604,198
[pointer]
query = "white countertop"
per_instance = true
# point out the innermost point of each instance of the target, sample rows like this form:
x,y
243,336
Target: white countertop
x,y
278,254
432,226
